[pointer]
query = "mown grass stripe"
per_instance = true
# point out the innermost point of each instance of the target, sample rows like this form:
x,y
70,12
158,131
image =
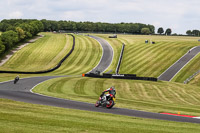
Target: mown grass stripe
x,y
161,95
79,89
149,60
178,96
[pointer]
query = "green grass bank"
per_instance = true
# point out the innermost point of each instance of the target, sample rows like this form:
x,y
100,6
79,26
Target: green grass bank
x,y
31,118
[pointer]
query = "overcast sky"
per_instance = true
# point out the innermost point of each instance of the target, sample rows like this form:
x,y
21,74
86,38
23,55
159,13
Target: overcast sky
x,y
179,15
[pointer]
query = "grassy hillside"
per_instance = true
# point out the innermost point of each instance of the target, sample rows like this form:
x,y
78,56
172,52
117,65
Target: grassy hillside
x,y
43,54
150,59
85,57
31,118
141,95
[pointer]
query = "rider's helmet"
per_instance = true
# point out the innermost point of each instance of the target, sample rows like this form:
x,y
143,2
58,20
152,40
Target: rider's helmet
x,y
112,87
113,90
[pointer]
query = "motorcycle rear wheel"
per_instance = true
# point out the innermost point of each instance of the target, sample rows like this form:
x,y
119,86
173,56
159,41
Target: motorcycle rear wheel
x,y
109,106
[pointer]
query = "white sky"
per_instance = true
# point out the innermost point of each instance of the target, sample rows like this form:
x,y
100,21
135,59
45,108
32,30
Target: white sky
x,y
179,15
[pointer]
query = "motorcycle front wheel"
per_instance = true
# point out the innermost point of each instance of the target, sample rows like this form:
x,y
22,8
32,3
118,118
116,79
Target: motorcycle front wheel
x,y
15,81
97,104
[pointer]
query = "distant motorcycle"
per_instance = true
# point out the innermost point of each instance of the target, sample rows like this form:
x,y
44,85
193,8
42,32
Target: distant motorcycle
x,y
107,101
16,80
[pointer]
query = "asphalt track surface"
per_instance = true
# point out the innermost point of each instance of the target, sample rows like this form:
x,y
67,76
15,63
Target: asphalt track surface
x,y
178,65
22,92
107,56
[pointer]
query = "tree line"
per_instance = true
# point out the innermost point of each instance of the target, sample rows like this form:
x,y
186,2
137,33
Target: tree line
x,y
133,28
193,32
17,30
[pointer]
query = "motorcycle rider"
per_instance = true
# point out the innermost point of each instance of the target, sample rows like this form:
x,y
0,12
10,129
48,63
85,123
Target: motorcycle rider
x,y
16,79
110,90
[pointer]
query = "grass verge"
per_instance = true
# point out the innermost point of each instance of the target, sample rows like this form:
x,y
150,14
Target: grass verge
x,y
24,117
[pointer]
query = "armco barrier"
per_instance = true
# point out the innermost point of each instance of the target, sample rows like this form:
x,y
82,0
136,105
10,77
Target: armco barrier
x,y
107,75
120,76
130,75
120,58
49,70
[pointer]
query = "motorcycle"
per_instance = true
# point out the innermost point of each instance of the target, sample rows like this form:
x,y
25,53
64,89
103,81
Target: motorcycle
x,y
16,79
107,101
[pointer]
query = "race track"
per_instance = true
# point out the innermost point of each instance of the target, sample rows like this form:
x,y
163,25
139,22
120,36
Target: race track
x,y
177,66
107,56
22,92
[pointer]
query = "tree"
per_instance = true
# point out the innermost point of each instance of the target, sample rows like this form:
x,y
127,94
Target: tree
x,y
2,47
9,38
195,32
54,26
4,26
27,30
145,31
168,31
46,25
189,32
37,26
20,32
151,28
160,30
134,28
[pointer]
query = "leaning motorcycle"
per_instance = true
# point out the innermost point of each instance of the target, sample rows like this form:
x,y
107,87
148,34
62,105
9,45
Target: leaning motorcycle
x,y
107,101
16,80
